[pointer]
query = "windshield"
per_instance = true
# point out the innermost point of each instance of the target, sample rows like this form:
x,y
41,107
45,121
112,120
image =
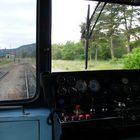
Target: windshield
x,y
111,32
17,49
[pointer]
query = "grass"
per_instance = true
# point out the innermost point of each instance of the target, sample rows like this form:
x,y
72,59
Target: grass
x,y
5,61
79,65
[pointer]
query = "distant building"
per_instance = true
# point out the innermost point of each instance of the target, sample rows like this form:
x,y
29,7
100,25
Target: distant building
x,y
10,55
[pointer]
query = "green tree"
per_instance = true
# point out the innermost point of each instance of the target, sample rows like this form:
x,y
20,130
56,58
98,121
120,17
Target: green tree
x,y
57,51
130,19
132,60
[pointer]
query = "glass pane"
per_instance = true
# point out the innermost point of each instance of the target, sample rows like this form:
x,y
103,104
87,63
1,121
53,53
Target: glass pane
x,y
113,43
17,49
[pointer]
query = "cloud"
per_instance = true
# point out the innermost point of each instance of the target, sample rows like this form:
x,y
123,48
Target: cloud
x,y
17,22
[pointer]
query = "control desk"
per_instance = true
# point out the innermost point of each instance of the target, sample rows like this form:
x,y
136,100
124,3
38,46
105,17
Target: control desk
x,y
97,103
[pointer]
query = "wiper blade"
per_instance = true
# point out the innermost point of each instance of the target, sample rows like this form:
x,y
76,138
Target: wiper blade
x,y
87,33
87,37
89,20
97,20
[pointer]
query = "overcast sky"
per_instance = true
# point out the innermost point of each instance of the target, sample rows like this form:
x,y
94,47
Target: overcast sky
x,y
67,15
17,23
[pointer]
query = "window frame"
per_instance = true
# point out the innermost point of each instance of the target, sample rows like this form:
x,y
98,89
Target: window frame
x,y
43,54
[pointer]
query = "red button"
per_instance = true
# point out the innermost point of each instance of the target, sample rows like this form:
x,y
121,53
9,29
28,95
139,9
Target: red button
x,y
87,116
80,117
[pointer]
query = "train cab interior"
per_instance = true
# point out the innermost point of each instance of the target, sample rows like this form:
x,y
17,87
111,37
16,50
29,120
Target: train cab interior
x,y
70,70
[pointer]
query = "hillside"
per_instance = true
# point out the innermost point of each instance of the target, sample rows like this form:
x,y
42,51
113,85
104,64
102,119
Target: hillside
x,y
26,50
22,51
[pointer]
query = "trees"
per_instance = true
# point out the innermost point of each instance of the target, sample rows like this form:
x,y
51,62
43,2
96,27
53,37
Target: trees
x,y
115,34
117,26
68,51
132,60
130,20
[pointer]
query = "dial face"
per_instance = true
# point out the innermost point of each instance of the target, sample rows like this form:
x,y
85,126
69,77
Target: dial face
x,y
71,80
60,80
94,85
81,86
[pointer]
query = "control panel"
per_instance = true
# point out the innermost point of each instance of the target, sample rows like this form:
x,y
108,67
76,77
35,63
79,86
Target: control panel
x,y
90,95
103,99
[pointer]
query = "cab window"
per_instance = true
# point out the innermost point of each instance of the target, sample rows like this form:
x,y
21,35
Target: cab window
x,y
17,49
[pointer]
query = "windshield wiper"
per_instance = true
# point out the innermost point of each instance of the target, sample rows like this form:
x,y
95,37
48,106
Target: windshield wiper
x,y
87,33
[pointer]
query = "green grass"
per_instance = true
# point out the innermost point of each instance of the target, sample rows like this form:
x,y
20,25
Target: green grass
x,y
5,61
79,65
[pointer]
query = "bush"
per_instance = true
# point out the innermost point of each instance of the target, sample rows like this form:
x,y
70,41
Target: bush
x,y
132,60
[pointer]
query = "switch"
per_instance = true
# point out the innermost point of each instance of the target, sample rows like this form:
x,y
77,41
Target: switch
x,y
73,117
92,111
81,117
87,116
66,118
104,109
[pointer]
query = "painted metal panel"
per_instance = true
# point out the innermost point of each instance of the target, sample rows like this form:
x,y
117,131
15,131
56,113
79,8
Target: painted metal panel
x,y
20,130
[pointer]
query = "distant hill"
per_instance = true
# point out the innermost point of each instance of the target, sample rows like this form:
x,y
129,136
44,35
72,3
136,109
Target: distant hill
x,y
22,51
26,50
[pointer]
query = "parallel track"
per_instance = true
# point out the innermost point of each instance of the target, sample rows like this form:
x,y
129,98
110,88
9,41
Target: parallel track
x,y
27,81
3,74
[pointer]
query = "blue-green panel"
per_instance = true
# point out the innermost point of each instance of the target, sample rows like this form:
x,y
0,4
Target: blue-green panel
x,y
20,130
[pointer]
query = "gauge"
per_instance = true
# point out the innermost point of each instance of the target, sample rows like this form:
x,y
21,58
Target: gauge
x,y
115,88
125,81
71,80
72,91
127,89
135,87
61,91
94,85
60,80
81,86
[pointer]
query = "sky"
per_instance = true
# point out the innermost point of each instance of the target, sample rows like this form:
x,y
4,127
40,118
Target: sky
x,y
18,21
67,15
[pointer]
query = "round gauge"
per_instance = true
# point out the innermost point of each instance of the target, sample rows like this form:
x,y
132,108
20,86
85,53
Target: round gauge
x,y
72,91
60,80
71,80
115,88
135,87
81,86
61,91
94,85
125,80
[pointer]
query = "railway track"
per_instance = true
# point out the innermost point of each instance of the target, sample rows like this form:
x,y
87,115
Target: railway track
x,y
3,74
17,82
27,85
30,83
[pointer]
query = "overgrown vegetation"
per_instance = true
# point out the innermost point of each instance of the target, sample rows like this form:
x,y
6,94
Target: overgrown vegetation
x,y
5,61
132,60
